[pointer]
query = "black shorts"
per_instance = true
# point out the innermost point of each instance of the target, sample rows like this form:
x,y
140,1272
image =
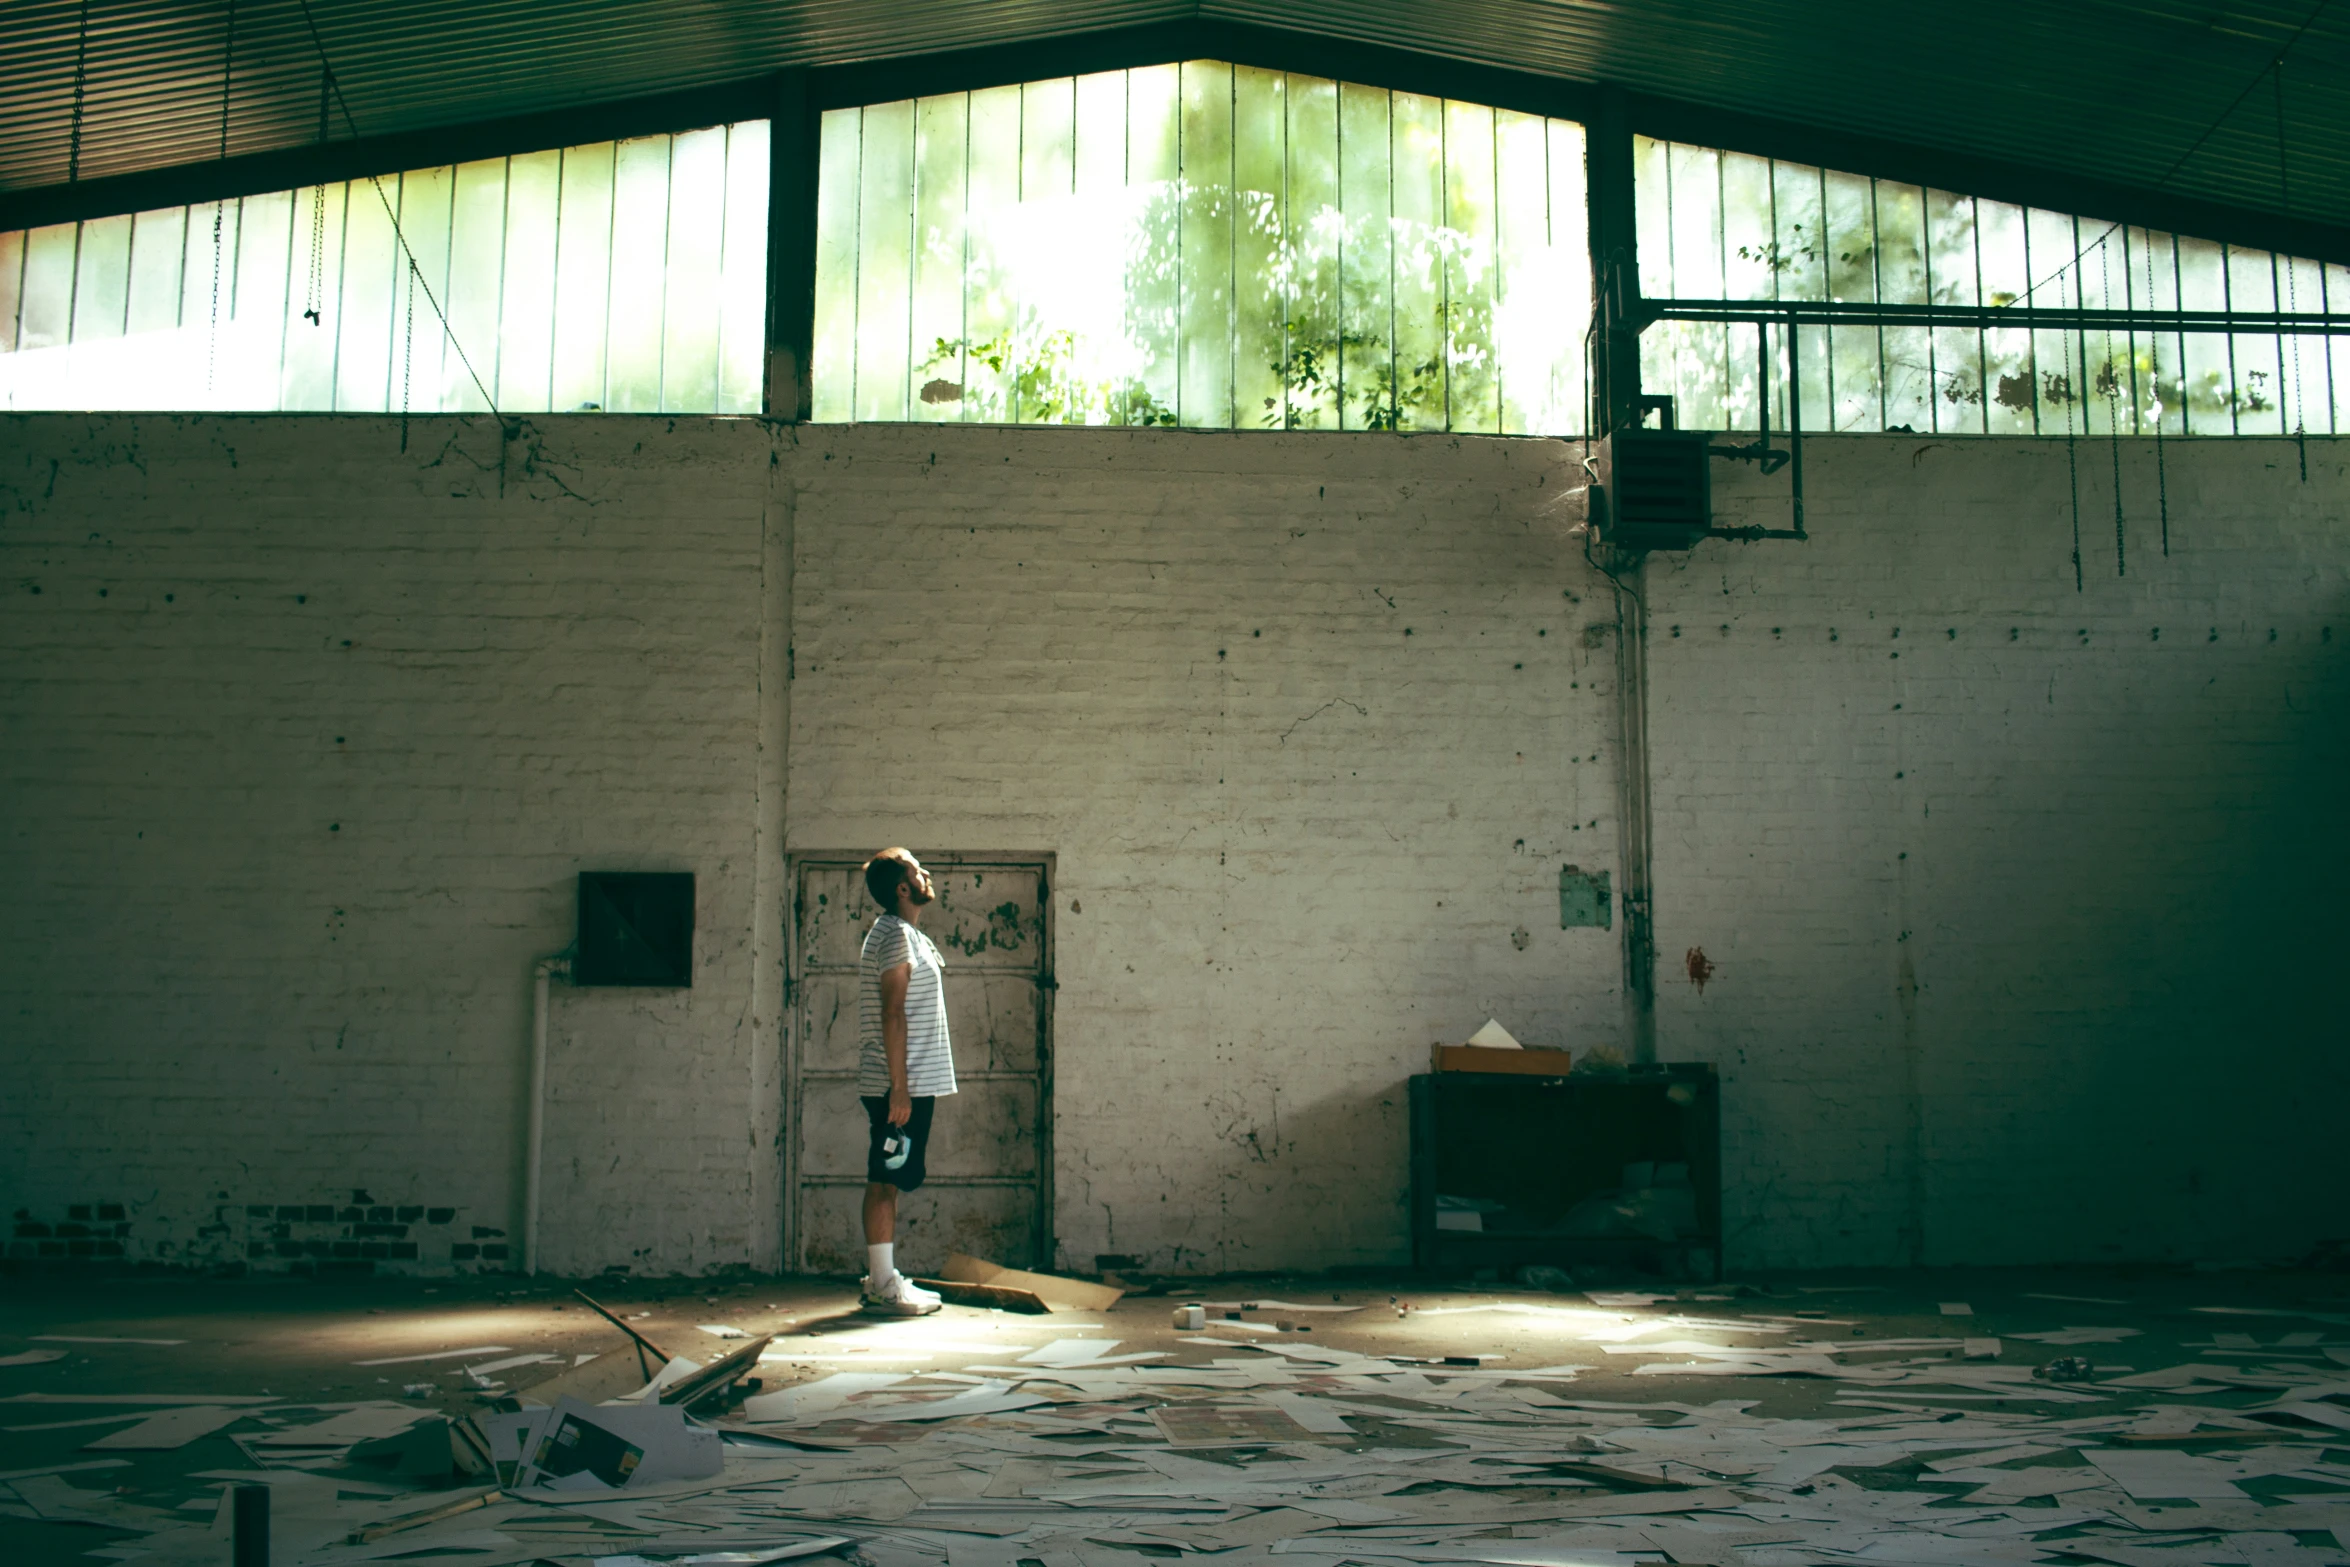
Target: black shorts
x,y
916,1133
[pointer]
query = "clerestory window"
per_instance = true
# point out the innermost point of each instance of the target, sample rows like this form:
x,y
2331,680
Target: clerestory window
x,y
627,275
1721,225
1202,245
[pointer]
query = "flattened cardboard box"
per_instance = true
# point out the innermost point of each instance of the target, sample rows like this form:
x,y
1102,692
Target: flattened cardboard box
x,y
1475,1058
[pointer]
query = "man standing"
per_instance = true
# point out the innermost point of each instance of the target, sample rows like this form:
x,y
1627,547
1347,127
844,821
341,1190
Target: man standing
x,y
905,1065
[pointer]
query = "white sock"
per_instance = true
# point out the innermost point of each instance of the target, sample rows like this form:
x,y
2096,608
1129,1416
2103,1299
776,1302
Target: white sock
x,y
880,1264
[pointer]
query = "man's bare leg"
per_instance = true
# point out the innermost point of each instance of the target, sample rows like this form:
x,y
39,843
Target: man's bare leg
x,y
881,1229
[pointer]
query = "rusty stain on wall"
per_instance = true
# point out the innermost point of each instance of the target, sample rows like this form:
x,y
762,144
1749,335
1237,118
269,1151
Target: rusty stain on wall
x,y
1700,967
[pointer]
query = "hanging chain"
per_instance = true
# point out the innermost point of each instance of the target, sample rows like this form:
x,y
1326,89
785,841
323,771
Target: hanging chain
x,y
228,60
2292,284
2161,408
408,354
2072,458
314,301
212,355
2113,410
81,89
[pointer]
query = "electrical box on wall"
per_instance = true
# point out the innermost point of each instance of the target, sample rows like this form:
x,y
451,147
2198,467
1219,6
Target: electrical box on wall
x,y
635,928
1584,899
1655,488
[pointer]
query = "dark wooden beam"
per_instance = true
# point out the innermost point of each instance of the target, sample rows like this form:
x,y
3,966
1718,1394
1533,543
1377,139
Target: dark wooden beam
x,y
1990,179
326,162
791,247
1271,48
1615,265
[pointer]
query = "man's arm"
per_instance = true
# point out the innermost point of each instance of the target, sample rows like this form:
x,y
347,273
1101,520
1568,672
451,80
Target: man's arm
x,y
893,1040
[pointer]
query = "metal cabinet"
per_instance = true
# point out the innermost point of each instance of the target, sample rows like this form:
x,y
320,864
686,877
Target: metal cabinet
x,y
1621,1168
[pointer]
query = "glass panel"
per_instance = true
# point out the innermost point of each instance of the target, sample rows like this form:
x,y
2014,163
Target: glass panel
x,y
1048,139
1694,176
211,264
941,156
1205,324
2157,356
1953,277
526,307
1068,327
304,299
2010,375
1855,352
833,353
1416,144
1908,352
102,279
1204,245
697,229
1803,233
1652,199
1154,153
1799,262
37,376
2308,401
2053,265
2337,298
1100,129
885,228
1702,356
1366,263
477,265
253,349
427,200
640,245
991,304
583,272
1521,246
1312,317
2252,286
368,326
1259,237
1748,268
2105,389
11,290
1554,354
2209,398
100,295
1472,396
306,374
742,284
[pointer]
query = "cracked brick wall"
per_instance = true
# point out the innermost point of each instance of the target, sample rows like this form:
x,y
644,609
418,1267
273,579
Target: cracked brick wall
x,y
2008,910
1311,726
303,740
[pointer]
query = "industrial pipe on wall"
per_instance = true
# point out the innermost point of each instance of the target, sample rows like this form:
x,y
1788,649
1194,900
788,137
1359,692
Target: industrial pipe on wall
x,y
547,969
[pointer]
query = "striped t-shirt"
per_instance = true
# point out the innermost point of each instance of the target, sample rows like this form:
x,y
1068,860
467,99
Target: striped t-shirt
x,y
930,1058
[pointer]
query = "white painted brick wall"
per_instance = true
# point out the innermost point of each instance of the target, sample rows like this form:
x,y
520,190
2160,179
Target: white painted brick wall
x,y
302,743
1311,727
1297,863
2020,900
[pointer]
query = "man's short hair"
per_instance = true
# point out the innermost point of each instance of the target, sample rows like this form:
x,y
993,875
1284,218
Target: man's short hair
x,y
885,873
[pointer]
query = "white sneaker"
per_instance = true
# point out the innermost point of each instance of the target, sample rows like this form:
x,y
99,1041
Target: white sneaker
x,y
898,1296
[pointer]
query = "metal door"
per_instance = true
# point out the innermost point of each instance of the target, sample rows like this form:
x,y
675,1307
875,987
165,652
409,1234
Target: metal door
x,y
989,1192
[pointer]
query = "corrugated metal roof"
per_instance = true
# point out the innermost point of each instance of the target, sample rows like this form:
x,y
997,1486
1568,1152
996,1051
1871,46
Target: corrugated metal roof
x,y
2117,90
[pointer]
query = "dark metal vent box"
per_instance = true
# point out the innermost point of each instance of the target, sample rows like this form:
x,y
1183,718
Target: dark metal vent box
x,y
635,928
1657,489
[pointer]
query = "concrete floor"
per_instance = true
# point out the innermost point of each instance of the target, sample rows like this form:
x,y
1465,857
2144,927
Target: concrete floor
x,y
298,1339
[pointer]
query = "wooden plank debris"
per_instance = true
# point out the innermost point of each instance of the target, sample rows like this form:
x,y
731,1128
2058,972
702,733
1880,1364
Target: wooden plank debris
x,y
1057,1293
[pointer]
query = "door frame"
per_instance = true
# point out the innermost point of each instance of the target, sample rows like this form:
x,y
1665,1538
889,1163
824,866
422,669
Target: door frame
x,y
797,863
